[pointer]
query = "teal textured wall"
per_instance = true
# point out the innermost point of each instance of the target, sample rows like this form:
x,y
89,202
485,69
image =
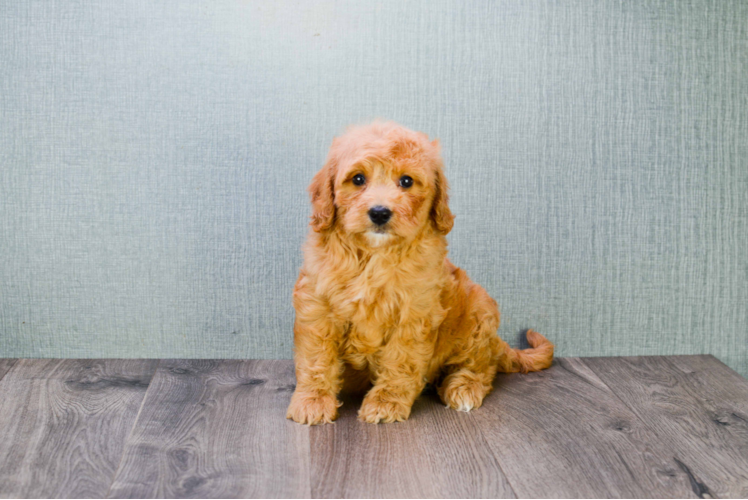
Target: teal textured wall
x,y
154,158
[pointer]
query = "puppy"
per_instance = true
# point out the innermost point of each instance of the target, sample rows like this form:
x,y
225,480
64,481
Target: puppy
x,y
379,307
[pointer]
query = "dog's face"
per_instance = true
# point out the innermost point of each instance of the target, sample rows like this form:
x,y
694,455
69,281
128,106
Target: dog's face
x,y
381,184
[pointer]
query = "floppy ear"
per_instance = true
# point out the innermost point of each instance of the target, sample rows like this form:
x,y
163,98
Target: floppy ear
x,y
440,212
322,193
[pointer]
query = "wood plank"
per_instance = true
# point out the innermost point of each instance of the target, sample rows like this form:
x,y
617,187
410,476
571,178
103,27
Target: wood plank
x,y
698,406
5,365
437,453
216,429
63,424
563,433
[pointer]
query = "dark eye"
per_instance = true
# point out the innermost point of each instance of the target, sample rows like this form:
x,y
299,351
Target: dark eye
x,y
406,181
359,180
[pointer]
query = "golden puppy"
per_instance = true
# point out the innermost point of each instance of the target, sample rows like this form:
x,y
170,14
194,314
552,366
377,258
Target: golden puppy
x,y
378,305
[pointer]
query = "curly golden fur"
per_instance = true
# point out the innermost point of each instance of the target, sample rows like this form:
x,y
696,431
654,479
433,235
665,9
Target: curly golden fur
x,y
379,307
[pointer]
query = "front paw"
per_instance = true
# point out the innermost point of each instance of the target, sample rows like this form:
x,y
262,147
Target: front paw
x,y
313,409
385,408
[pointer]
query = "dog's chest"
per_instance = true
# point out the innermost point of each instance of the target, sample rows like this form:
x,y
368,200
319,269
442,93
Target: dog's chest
x,y
372,319
371,304
377,302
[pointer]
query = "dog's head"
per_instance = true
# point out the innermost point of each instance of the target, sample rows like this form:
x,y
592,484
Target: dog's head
x,y
381,183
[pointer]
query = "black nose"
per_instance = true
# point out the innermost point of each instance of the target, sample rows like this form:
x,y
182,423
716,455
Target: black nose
x,y
380,215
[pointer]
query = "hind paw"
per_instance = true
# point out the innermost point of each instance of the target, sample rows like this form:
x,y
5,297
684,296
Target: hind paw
x,y
463,394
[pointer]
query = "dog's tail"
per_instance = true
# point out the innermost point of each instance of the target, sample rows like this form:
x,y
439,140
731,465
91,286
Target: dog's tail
x,y
538,357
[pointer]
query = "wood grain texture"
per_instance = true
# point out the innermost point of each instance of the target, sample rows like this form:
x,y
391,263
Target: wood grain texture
x,y
563,433
5,365
63,424
698,407
437,453
596,427
216,429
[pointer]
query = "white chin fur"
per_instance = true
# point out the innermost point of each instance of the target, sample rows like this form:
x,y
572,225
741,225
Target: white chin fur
x,y
377,239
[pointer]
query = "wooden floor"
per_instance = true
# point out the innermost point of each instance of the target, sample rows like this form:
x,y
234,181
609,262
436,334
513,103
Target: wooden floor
x,y
587,427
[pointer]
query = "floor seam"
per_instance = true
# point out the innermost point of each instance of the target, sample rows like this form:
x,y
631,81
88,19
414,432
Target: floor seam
x,y
132,429
489,450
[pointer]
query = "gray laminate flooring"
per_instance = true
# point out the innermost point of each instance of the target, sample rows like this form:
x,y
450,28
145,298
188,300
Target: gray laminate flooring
x,y
672,426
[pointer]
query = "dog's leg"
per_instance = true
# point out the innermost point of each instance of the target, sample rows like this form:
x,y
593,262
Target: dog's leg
x,y
472,367
318,371
470,374
401,376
